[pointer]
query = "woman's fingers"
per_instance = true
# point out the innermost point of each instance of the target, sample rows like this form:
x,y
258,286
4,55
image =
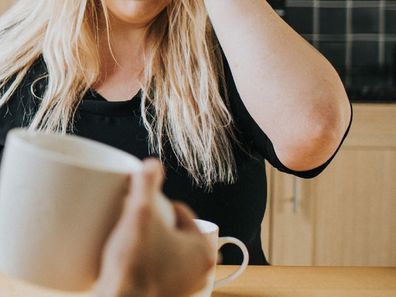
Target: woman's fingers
x,y
142,247
153,171
184,218
145,185
205,254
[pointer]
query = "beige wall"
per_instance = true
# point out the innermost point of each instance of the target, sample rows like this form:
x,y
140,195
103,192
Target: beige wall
x,y
4,4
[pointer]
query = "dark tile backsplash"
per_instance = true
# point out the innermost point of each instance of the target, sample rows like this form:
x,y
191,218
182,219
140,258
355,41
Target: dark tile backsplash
x,y
364,54
335,20
336,50
301,19
357,36
390,21
365,20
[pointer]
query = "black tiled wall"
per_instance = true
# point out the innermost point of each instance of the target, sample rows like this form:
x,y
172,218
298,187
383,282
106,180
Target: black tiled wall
x,y
357,36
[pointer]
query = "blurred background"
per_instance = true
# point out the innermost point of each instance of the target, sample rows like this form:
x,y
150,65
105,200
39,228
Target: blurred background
x,y
346,216
358,37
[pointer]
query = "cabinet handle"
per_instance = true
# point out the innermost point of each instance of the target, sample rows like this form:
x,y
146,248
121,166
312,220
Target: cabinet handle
x,y
296,194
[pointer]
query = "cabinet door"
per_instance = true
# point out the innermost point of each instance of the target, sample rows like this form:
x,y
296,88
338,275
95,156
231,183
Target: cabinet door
x,y
347,215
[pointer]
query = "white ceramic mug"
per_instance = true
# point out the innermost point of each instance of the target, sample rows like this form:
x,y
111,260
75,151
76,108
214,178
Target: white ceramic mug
x,y
60,196
211,230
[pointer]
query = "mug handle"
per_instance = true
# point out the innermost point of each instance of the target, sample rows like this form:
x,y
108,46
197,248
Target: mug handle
x,y
222,241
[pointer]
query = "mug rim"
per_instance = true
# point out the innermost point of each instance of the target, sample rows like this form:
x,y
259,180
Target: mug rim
x,y
206,226
24,136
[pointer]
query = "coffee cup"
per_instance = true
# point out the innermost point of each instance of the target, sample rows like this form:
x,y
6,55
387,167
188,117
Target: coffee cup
x,y
211,230
60,196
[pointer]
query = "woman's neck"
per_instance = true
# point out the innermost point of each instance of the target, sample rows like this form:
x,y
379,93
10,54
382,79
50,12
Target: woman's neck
x,y
121,61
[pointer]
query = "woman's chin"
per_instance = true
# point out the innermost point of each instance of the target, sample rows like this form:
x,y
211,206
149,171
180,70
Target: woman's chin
x,y
136,12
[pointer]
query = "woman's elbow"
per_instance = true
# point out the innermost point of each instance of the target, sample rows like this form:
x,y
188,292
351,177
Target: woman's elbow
x,y
315,142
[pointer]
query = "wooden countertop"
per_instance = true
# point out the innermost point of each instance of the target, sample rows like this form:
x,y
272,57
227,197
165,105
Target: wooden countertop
x,y
271,281
310,282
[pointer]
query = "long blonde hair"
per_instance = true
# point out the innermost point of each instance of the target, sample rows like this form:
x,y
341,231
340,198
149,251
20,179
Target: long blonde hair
x,y
183,79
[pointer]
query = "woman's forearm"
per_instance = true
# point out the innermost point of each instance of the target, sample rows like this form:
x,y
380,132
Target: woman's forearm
x,y
289,88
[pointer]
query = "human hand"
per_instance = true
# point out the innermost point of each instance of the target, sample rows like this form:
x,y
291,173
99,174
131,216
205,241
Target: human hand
x,y
143,256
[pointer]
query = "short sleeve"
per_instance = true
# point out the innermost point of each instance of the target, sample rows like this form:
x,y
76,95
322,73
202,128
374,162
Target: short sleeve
x,y
1,153
252,136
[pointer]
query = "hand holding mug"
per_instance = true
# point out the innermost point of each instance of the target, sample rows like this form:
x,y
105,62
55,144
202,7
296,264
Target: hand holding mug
x,y
60,197
64,198
144,256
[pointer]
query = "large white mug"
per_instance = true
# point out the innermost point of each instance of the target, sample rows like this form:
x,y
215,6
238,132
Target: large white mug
x,y
211,230
60,196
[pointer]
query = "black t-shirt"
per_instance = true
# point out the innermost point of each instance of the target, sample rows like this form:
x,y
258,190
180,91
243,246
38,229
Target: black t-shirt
x,y
238,208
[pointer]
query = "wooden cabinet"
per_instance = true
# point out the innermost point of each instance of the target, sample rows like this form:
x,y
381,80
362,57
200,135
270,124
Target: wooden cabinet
x,y
347,215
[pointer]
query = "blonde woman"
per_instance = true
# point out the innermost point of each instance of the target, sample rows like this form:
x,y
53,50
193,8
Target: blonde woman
x,y
210,87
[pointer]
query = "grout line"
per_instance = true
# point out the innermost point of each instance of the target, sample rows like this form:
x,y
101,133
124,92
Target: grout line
x,y
348,45
352,37
381,35
337,3
316,23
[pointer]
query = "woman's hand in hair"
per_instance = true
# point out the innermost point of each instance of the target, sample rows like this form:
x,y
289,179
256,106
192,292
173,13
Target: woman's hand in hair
x,y
144,257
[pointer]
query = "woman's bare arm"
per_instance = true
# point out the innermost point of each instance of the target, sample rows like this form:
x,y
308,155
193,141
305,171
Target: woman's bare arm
x,y
288,87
